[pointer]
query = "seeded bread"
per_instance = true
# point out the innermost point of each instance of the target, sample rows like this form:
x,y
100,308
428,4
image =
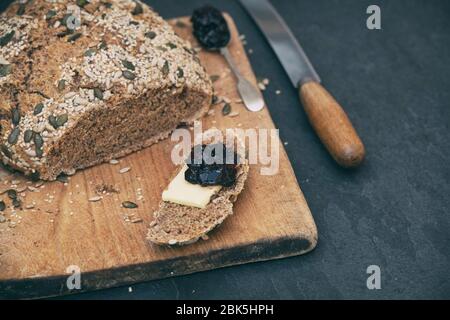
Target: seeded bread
x,y
176,224
73,96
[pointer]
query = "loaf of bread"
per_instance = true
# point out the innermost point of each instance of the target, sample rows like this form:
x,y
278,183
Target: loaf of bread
x,y
176,224
82,82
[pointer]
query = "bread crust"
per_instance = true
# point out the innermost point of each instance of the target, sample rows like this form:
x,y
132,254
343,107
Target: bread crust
x,y
56,82
174,224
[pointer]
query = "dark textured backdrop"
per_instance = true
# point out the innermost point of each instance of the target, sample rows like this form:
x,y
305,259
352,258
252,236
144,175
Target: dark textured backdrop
x,y
394,210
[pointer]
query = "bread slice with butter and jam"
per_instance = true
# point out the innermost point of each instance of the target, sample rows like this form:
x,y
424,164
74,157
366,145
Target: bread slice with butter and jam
x,y
189,211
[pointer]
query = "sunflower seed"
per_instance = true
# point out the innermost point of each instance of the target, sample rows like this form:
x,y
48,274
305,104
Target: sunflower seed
x,y
129,205
28,136
14,136
128,75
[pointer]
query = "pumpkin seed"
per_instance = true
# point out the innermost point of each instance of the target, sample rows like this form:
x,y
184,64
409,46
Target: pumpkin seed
x,y
161,48
63,33
166,68
28,135
5,151
171,45
137,9
14,136
65,18
38,109
12,194
16,203
98,93
107,4
62,119
52,121
127,64
215,99
214,78
150,35
74,37
180,73
128,75
21,9
50,14
2,206
181,24
15,115
103,45
5,69
61,85
89,52
129,205
38,141
226,109
35,176
7,38
62,178
82,3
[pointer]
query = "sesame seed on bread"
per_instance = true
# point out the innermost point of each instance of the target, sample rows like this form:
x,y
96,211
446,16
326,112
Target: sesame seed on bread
x,y
77,94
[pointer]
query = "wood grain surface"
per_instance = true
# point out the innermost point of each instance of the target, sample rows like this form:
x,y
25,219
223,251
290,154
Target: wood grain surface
x,y
59,227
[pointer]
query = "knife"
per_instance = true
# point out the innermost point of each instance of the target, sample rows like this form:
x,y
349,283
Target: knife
x,y
325,114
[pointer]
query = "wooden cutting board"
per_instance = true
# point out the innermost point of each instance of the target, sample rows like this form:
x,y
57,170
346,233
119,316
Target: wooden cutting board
x,y
37,245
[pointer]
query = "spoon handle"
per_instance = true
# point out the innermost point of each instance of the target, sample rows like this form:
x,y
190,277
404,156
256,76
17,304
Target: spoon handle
x,y
250,95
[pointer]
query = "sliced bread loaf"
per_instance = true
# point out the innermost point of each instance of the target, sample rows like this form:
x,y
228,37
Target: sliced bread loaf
x,y
82,82
176,224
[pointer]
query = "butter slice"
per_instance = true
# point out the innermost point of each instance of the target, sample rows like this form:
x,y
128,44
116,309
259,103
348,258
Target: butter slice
x,y
182,192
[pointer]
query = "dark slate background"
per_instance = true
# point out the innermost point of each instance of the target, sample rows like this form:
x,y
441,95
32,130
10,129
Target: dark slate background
x,y
393,211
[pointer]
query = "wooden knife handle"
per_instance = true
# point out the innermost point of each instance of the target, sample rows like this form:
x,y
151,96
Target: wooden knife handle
x,y
332,125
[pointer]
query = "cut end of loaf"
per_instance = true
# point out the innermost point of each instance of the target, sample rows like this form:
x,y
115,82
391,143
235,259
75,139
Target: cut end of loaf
x,y
176,224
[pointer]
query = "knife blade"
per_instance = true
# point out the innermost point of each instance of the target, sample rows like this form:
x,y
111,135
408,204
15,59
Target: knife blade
x,y
289,52
326,116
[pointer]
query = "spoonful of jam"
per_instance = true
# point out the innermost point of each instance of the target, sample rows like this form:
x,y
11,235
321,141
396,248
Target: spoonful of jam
x,y
211,31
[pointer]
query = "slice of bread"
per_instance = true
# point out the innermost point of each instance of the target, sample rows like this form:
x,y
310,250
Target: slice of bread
x,y
75,95
176,224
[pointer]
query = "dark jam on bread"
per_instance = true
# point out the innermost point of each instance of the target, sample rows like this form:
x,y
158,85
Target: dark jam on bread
x,y
207,168
210,28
